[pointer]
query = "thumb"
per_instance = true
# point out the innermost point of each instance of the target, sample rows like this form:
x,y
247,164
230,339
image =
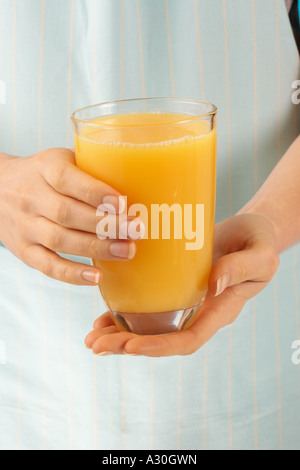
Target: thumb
x,y
256,263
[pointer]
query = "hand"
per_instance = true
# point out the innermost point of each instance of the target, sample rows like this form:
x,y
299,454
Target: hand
x,y
48,206
245,260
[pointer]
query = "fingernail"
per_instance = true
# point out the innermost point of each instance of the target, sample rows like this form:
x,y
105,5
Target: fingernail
x,y
134,229
127,354
91,276
114,204
122,250
222,283
105,353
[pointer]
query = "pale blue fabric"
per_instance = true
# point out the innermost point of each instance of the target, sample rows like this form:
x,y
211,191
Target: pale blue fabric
x,y
242,391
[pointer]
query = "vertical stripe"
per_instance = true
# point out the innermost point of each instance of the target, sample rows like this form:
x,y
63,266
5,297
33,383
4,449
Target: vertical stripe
x,y
44,338
21,344
41,78
278,364
278,83
180,358
42,286
255,190
70,75
170,49
122,52
96,375
230,389
230,211
151,403
179,403
151,421
199,50
255,378
19,281
69,381
228,106
96,290
204,417
95,50
255,97
14,79
141,47
275,280
123,359
68,336
205,396
124,402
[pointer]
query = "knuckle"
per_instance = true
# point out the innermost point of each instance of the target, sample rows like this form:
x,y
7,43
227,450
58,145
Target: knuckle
x,y
60,212
24,199
47,267
92,247
42,160
243,272
58,176
43,155
66,273
53,239
89,191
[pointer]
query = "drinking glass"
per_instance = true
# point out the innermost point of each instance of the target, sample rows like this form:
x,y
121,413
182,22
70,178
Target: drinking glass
x,y
160,153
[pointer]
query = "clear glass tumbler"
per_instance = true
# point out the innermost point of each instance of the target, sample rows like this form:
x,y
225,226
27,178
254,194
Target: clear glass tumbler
x,y
160,153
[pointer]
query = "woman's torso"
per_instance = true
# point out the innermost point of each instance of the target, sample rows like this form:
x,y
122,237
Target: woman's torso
x,y
240,391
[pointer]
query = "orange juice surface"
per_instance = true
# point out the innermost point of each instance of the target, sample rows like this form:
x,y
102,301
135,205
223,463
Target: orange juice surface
x,y
155,159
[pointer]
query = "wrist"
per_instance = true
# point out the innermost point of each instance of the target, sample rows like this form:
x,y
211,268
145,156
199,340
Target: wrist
x,y
5,160
262,208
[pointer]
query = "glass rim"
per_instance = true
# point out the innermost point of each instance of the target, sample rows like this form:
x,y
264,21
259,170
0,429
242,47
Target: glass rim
x,y
88,123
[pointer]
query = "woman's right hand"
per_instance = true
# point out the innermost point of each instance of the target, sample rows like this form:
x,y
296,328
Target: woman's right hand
x,y
48,206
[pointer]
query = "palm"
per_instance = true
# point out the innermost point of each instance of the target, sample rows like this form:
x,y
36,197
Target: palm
x,y
245,248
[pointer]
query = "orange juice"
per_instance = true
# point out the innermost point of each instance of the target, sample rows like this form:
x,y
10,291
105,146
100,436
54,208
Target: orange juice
x,y
155,159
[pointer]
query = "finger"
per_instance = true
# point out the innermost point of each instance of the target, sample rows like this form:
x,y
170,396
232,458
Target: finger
x,y
257,263
104,321
68,212
214,315
96,334
110,340
62,174
73,214
74,242
52,265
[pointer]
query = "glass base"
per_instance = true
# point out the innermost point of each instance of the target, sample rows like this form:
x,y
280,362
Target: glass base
x,y
154,323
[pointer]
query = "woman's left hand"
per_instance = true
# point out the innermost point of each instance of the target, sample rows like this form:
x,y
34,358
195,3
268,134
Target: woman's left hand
x,y
245,260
